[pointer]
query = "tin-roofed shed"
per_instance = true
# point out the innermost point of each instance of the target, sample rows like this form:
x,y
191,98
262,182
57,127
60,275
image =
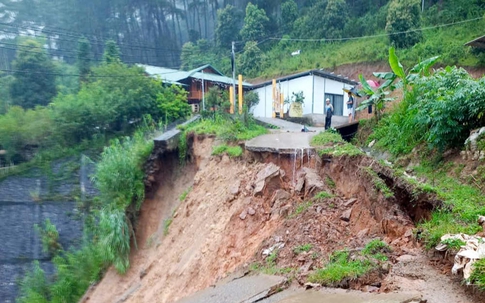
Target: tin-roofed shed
x,y
197,81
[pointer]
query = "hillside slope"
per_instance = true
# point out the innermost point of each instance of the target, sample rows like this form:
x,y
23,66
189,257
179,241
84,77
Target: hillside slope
x,y
227,219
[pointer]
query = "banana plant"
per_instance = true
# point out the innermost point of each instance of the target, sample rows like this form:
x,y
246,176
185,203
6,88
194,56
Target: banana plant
x,y
376,97
379,96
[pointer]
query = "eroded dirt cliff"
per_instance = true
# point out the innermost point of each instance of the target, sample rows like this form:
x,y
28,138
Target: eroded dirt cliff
x,y
237,209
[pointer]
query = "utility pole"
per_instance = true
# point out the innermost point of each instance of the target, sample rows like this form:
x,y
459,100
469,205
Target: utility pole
x,y
203,91
233,61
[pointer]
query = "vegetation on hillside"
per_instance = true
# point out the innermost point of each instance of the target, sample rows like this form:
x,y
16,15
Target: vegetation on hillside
x,y
330,33
435,116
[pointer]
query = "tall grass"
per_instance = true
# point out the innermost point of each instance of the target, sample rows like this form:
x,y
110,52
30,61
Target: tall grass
x,y
119,178
228,128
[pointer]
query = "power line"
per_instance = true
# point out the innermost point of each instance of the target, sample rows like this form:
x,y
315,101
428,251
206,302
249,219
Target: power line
x,y
374,36
77,75
65,56
75,38
75,52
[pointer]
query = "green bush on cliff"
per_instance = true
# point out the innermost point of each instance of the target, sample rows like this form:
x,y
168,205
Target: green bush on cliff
x,y
119,178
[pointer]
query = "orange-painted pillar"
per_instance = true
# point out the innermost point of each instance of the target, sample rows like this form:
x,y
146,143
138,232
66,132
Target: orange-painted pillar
x,y
240,94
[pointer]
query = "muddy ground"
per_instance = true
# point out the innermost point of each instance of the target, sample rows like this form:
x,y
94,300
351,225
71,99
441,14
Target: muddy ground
x,y
236,209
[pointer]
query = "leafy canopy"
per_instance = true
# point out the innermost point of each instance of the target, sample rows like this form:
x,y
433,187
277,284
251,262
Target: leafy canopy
x,y
255,24
34,82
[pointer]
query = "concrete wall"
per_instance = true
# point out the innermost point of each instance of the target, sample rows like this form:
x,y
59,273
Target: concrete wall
x,y
314,88
20,243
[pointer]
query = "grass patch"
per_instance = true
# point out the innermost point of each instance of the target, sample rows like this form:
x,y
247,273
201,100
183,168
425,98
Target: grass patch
x,y
166,226
376,249
302,248
342,265
379,184
270,267
477,277
231,151
323,195
338,268
330,183
228,128
302,207
184,194
330,143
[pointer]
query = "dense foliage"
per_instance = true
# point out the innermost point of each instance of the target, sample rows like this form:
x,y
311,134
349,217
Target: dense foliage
x,y
402,21
119,178
436,114
34,74
440,110
104,101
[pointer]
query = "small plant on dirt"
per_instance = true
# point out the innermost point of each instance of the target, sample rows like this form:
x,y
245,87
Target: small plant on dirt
x,y
232,151
302,248
330,183
379,184
49,237
166,226
323,195
339,267
184,194
270,267
330,143
376,249
477,277
182,147
453,244
301,208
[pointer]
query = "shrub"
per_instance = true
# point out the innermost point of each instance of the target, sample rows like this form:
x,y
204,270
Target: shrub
x,y
49,237
119,178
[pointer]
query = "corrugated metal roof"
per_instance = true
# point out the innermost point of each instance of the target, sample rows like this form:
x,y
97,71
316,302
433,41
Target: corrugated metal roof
x,y
168,75
318,72
174,76
478,42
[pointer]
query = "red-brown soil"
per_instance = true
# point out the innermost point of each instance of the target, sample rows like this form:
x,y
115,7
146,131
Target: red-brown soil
x,y
225,223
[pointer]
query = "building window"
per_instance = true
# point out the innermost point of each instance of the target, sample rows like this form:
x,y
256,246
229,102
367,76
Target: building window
x,y
338,103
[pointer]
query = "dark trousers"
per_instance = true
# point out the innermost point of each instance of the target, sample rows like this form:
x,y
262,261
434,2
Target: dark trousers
x,y
328,122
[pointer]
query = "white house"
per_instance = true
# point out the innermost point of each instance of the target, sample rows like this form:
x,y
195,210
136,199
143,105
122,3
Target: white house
x,y
316,85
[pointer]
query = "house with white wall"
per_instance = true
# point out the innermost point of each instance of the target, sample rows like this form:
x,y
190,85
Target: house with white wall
x,y
316,85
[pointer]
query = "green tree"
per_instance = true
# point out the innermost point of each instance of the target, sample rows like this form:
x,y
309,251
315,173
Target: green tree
x,y
34,82
111,53
21,131
252,59
228,24
255,23
194,55
84,59
310,25
289,13
215,100
251,99
5,100
107,105
335,18
403,16
172,101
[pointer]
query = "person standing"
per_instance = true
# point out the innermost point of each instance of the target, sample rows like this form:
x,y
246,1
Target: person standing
x,y
328,114
350,106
